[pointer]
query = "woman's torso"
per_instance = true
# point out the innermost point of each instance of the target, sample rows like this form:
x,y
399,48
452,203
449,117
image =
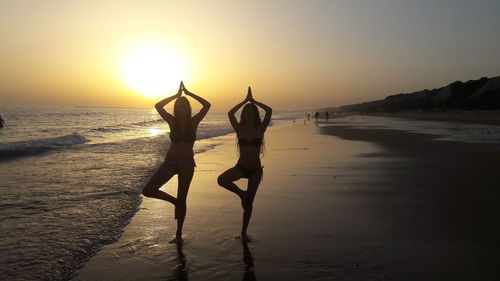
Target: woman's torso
x,y
181,143
250,141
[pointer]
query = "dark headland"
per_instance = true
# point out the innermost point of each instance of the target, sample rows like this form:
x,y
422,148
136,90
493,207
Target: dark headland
x,y
475,101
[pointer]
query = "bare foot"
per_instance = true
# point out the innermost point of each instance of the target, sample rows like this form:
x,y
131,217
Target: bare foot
x,y
245,237
243,197
176,212
175,209
176,240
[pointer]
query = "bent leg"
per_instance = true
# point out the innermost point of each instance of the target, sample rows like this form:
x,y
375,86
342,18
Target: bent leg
x,y
227,179
253,185
185,177
159,178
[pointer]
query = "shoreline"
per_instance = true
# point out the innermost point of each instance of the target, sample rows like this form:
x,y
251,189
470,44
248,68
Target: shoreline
x,y
479,117
335,202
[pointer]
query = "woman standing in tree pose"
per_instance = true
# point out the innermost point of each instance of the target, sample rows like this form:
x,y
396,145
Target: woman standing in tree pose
x,y
180,156
250,132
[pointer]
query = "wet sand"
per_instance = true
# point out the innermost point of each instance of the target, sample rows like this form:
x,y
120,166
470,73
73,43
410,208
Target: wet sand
x,y
451,192
478,117
336,203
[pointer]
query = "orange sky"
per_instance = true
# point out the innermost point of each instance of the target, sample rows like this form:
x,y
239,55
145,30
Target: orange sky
x,y
294,54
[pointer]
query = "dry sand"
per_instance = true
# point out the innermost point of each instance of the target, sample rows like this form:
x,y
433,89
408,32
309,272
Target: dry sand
x,y
364,205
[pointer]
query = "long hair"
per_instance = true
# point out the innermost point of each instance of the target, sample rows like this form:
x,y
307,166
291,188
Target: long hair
x,y
252,108
182,110
256,122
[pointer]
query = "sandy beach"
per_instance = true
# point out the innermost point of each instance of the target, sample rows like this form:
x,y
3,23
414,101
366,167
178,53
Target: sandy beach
x,y
478,117
336,203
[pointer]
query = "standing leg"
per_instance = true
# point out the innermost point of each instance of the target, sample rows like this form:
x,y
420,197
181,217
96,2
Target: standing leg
x,y
185,177
159,178
253,185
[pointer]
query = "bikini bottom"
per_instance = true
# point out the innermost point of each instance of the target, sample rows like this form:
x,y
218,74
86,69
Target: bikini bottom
x,y
177,165
249,171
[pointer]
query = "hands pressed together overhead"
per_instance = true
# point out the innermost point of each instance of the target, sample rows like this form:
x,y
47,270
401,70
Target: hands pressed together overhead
x,y
249,97
182,88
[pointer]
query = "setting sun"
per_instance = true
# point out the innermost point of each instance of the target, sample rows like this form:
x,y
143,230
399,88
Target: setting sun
x,y
152,68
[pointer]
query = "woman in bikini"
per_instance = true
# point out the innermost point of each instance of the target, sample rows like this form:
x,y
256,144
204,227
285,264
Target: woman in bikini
x,y
250,132
180,157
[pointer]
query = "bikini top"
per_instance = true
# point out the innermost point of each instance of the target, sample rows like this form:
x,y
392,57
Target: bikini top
x,y
255,142
189,136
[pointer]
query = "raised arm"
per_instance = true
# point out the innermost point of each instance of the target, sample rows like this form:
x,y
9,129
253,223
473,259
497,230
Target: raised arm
x,y
206,105
161,104
233,110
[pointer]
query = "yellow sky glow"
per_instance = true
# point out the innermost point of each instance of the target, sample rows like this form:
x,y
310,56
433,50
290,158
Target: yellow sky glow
x,y
294,54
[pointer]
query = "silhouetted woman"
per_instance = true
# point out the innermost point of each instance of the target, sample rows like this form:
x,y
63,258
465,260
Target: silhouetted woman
x,y
250,132
180,156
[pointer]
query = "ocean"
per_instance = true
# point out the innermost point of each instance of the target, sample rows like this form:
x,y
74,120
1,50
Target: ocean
x,y
71,180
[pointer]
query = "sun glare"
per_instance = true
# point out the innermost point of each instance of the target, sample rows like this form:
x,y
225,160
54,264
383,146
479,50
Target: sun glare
x,y
152,68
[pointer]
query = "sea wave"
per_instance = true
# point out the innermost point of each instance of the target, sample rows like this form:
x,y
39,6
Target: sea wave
x,y
147,122
101,134
108,129
29,147
126,126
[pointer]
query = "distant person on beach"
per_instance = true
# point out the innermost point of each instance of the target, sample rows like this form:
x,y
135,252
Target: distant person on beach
x,y
327,115
316,116
1,122
180,157
250,133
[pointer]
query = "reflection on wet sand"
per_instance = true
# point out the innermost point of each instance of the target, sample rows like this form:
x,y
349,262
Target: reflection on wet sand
x,y
180,271
248,268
